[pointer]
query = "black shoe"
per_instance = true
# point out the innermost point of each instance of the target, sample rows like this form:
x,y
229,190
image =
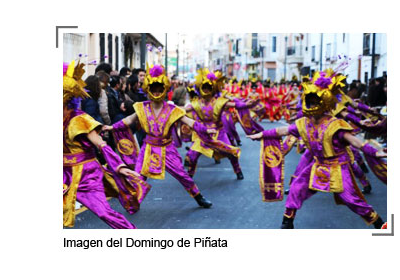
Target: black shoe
x,y
203,202
287,223
239,175
217,161
239,143
367,189
378,223
287,191
187,148
364,167
186,163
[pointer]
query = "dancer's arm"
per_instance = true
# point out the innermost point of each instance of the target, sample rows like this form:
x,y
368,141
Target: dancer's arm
x,y
129,120
271,133
190,122
96,140
249,103
365,147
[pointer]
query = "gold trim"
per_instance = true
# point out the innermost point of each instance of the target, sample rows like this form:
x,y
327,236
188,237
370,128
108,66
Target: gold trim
x,y
77,163
82,124
175,115
301,127
197,108
146,164
69,198
333,127
218,106
139,110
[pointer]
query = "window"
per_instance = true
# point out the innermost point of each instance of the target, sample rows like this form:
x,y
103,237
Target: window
x,y
102,46
366,43
274,44
328,53
313,53
237,46
254,41
344,37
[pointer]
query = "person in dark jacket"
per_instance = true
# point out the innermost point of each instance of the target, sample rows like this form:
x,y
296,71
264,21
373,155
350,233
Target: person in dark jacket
x,y
90,105
114,101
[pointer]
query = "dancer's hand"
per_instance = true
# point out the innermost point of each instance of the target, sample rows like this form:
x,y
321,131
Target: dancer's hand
x,y
128,172
382,153
366,122
251,102
255,136
106,128
211,131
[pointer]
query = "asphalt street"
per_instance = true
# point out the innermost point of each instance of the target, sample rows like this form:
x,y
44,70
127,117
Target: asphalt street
x,y
237,204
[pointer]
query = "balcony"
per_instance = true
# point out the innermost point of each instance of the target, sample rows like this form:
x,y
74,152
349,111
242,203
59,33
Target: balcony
x,y
294,55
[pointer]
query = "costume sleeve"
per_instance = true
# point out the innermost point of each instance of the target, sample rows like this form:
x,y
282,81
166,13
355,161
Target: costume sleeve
x,y
82,124
113,160
293,130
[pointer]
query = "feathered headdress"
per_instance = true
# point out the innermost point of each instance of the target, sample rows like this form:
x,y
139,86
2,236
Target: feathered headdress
x,y
327,86
73,85
205,76
156,74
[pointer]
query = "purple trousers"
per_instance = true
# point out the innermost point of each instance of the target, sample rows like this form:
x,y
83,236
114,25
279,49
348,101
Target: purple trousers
x,y
173,165
299,192
91,194
193,156
229,126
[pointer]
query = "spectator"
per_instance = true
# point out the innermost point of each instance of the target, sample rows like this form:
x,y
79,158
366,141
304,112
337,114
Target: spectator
x,y
140,73
103,100
91,105
174,85
353,91
134,96
179,96
103,67
133,89
376,93
125,72
114,101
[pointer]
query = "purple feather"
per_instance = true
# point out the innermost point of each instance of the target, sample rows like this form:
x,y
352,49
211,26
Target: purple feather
x,y
211,76
156,71
65,68
323,82
74,103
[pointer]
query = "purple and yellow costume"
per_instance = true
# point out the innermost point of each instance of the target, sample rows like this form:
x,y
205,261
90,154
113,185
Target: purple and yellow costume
x,y
82,173
209,114
158,153
326,166
329,170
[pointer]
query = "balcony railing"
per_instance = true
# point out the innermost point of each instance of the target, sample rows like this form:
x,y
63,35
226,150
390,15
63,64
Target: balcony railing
x,y
294,51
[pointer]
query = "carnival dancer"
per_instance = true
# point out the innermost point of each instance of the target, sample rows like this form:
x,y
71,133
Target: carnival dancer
x,y
327,139
82,173
259,110
208,110
229,117
157,118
